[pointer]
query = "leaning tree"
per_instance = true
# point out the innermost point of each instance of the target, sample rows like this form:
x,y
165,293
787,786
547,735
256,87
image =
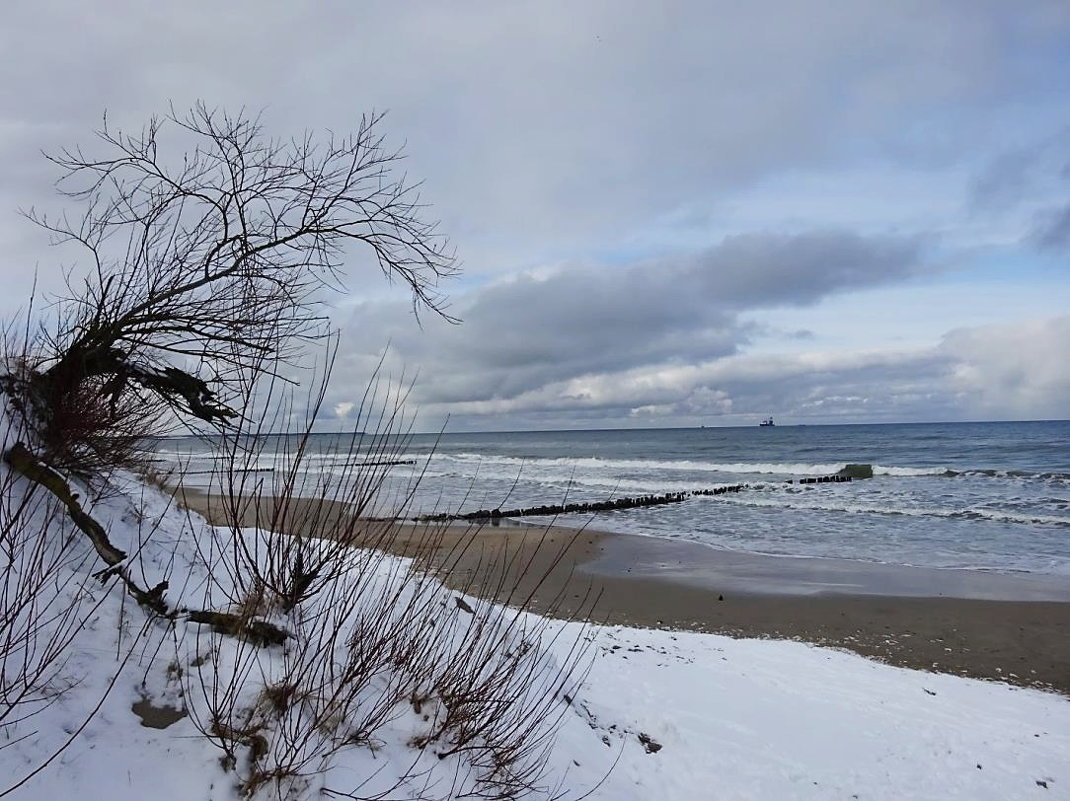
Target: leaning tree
x,y
209,244
204,275
204,264
205,272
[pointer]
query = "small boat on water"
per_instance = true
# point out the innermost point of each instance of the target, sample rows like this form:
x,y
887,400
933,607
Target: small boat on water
x,y
767,423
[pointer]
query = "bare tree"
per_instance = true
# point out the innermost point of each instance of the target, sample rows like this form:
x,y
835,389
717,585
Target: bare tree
x,y
201,261
306,638
370,639
208,243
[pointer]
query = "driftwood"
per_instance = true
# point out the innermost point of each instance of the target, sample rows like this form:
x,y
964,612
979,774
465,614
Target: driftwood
x,y
259,632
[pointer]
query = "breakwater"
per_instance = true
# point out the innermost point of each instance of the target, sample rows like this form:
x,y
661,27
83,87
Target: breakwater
x,y
613,505
620,504
836,479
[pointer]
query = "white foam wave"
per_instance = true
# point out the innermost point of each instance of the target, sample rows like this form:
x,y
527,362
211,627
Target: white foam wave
x,y
995,515
690,465
571,468
881,470
677,465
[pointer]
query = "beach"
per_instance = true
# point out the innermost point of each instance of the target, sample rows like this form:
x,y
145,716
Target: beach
x,y
996,626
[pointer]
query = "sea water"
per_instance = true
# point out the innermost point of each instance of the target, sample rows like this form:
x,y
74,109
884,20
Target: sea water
x,y
981,496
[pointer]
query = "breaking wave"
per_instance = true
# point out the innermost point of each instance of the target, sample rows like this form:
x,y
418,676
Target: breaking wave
x,y
579,465
802,503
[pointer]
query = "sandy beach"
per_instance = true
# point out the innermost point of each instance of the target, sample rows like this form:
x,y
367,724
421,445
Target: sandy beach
x,y
1013,628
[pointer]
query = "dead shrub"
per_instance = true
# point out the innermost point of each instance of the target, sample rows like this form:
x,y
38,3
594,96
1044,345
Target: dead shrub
x,y
372,638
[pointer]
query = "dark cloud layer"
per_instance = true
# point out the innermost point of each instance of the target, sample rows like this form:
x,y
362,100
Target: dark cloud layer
x,y
757,270
523,333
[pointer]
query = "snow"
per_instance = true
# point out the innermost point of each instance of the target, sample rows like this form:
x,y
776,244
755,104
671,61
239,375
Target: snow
x,y
776,719
657,715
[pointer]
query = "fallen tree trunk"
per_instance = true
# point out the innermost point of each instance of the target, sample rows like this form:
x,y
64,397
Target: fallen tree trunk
x,y
23,461
261,632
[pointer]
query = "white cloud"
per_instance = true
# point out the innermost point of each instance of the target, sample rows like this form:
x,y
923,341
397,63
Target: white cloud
x,y
1010,371
1013,371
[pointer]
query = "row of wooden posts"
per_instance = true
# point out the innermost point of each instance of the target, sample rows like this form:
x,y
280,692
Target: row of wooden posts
x,y
615,504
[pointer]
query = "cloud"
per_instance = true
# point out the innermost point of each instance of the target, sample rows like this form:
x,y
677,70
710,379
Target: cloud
x,y
757,270
1052,230
1013,371
658,340
629,185
579,323
1030,181
991,372
551,127
1006,371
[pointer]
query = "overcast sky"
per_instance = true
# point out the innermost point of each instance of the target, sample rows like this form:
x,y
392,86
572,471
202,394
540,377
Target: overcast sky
x,y
672,213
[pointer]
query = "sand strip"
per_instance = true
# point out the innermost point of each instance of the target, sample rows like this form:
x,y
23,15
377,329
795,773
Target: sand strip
x,y
991,626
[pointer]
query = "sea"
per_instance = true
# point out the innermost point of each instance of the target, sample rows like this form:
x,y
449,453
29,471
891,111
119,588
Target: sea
x,y
970,496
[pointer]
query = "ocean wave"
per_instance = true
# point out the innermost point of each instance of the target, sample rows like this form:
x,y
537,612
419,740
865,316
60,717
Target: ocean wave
x,y
637,475
788,469
1057,477
576,465
881,470
583,469
824,505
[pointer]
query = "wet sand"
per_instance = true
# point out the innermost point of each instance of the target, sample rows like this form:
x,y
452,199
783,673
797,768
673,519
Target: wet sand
x,y
986,625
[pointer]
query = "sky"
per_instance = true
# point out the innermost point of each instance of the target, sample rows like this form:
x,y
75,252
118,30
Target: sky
x,y
674,213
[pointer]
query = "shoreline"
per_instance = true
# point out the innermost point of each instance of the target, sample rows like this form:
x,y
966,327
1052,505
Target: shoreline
x,y
699,564
1013,628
